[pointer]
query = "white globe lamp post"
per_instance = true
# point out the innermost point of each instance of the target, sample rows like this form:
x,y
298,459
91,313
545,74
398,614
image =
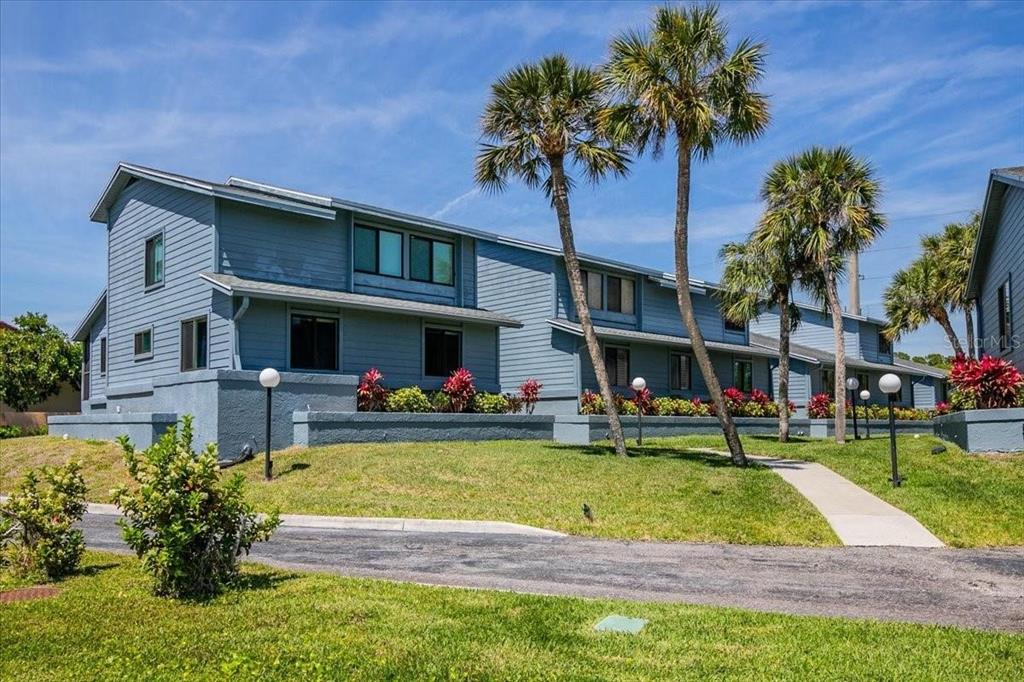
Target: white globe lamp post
x,y
865,396
852,384
639,384
269,379
891,385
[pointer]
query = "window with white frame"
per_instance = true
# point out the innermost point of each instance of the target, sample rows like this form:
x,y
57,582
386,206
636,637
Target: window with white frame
x,y
155,260
143,344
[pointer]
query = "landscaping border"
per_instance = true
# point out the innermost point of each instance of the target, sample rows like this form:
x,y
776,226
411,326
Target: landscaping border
x,y
1000,430
325,428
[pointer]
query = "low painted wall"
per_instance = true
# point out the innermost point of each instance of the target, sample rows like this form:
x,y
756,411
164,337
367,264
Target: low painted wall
x,y
983,430
142,428
825,428
323,428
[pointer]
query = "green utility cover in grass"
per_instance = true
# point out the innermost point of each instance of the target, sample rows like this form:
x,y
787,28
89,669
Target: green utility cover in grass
x,y
621,624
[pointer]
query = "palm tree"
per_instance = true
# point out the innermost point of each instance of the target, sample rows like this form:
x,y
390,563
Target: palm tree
x,y
681,80
759,274
952,252
916,296
831,197
539,117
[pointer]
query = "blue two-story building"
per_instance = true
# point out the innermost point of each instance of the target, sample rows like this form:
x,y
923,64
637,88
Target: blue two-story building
x,y
208,283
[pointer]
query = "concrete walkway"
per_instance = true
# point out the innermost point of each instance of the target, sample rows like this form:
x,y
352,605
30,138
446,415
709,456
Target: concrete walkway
x,y
385,523
857,516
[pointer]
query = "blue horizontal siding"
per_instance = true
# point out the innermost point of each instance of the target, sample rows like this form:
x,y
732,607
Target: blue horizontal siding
x,y
1005,260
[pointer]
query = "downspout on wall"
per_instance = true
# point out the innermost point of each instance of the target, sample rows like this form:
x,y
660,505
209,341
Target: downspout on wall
x,y
236,356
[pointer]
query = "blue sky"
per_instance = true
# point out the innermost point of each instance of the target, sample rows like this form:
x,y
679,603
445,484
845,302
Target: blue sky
x,y
379,103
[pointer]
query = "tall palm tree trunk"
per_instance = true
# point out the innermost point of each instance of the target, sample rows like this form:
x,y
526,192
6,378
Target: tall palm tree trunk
x,y
972,349
832,296
560,198
700,351
783,398
942,318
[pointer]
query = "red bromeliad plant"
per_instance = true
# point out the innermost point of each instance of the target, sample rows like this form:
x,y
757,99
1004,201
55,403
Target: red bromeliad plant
x,y
942,408
460,389
371,394
734,399
644,401
529,394
820,406
991,382
760,397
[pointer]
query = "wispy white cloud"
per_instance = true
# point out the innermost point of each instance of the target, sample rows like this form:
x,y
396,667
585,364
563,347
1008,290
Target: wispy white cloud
x,y
456,203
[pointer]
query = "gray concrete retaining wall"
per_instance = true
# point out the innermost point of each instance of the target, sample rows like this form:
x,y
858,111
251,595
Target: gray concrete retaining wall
x,y
323,428
142,428
983,430
825,428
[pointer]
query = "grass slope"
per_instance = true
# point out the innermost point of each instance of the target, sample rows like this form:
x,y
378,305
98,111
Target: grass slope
x,y
106,626
662,493
966,500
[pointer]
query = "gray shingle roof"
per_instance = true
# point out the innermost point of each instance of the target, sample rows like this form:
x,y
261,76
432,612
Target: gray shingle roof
x,y
240,286
662,339
826,358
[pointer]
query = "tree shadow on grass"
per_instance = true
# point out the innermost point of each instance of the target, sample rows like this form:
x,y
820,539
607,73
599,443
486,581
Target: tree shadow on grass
x,y
699,456
775,439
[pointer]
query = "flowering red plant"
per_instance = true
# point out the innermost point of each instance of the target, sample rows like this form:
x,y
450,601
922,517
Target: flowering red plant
x,y
734,398
371,394
529,394
942,408
644,401
819,406
760,397
591,403
992,382
460,389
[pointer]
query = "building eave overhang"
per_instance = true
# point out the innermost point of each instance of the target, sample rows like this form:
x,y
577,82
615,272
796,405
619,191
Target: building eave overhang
x,y
81,332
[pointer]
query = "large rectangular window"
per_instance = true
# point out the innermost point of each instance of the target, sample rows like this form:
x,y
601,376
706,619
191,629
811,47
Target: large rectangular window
x,y
378,252
442,352
679,372
743,375
143,344
155,260
606,292
431,260
103,356
1005,313
594,284
828,380
314,343
86,370
616,363
193,344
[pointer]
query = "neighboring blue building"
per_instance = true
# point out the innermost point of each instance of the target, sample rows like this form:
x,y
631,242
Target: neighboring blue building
x,y
997,272
208,283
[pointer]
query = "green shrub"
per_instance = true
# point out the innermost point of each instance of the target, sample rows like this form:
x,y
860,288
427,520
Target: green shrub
x,y
408,399
10,431
440,402
491,403
188,527
37,537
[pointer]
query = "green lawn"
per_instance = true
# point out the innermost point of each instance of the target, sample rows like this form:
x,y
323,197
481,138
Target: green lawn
x,y
966,500
106,626
664,494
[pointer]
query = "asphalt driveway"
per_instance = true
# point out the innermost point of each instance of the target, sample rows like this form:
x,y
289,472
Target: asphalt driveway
x,y
967,588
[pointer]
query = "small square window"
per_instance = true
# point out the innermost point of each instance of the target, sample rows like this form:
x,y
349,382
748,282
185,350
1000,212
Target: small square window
x,y
442,352
731,326
154,260
144,344
679,372
431,260
378,252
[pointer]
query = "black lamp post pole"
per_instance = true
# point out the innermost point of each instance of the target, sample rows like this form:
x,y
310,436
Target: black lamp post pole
x,y
867,418
892,446
853,402
639,423
268,465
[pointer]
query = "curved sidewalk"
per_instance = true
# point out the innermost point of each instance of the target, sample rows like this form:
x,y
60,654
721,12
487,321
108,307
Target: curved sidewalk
x,y
857,516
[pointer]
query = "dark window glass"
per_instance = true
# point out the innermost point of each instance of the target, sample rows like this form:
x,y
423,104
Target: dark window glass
x,y
103,355
679,372
419,259
593,282
743,375
431,261
828,380
616,363
86,370
884,345
378,252
1005,316
193,344
444,263
627,296
614,294
154,260
314,343
442,352
862,384
366,249
144,342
